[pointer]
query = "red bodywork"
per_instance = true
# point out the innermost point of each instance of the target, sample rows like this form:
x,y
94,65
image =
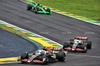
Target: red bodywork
x,y
81,37
38,61
31,59
35,61
54,48
77,49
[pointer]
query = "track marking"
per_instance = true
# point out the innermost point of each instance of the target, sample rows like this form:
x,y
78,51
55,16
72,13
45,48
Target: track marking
x,y
30,32
85,56
7,59
10,62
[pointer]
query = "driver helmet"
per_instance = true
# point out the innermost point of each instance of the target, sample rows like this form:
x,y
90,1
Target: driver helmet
x,y
45,49
33,53
78,38
42,52
38,4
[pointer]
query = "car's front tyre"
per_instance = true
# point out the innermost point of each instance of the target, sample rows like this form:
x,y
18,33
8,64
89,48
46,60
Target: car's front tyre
x,y
61,56
48,10
89,44
29,7
24,56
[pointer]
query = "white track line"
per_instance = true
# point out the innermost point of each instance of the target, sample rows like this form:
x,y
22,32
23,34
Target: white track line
x,y
10,63
85,56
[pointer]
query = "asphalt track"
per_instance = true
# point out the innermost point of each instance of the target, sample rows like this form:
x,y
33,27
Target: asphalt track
x,y
56,27
12,45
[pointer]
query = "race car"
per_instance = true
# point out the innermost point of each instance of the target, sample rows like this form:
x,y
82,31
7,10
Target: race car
x,y
37,8
44,56
79,43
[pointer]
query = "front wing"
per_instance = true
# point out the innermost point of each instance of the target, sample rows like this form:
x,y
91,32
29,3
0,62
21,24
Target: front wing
x,y
77,49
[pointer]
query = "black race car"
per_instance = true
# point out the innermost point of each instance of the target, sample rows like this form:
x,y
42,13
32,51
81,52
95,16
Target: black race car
x,y
79,43
44,56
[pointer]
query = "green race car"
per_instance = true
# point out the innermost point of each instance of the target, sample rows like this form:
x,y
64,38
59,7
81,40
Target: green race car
x,y
35,7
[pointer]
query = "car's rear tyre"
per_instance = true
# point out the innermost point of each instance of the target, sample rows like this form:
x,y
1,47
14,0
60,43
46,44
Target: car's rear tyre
x,y
65,45
89,44
29,7
48,10
61,56
24,56
71,41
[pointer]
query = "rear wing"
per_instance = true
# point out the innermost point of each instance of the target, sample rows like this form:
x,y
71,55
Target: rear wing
x,y
81,37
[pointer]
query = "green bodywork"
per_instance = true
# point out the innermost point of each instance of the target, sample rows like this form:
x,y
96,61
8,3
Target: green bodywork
x,y
38,9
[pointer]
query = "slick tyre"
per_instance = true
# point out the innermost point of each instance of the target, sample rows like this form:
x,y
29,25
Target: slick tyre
x,y
65,45
48,10
61,56
29,7
24,56
89,44
71,41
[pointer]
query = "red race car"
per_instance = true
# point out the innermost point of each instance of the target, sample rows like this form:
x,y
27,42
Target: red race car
x,y
79,43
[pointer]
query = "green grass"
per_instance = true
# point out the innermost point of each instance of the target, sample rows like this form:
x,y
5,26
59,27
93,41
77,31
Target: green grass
x,y
85,8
